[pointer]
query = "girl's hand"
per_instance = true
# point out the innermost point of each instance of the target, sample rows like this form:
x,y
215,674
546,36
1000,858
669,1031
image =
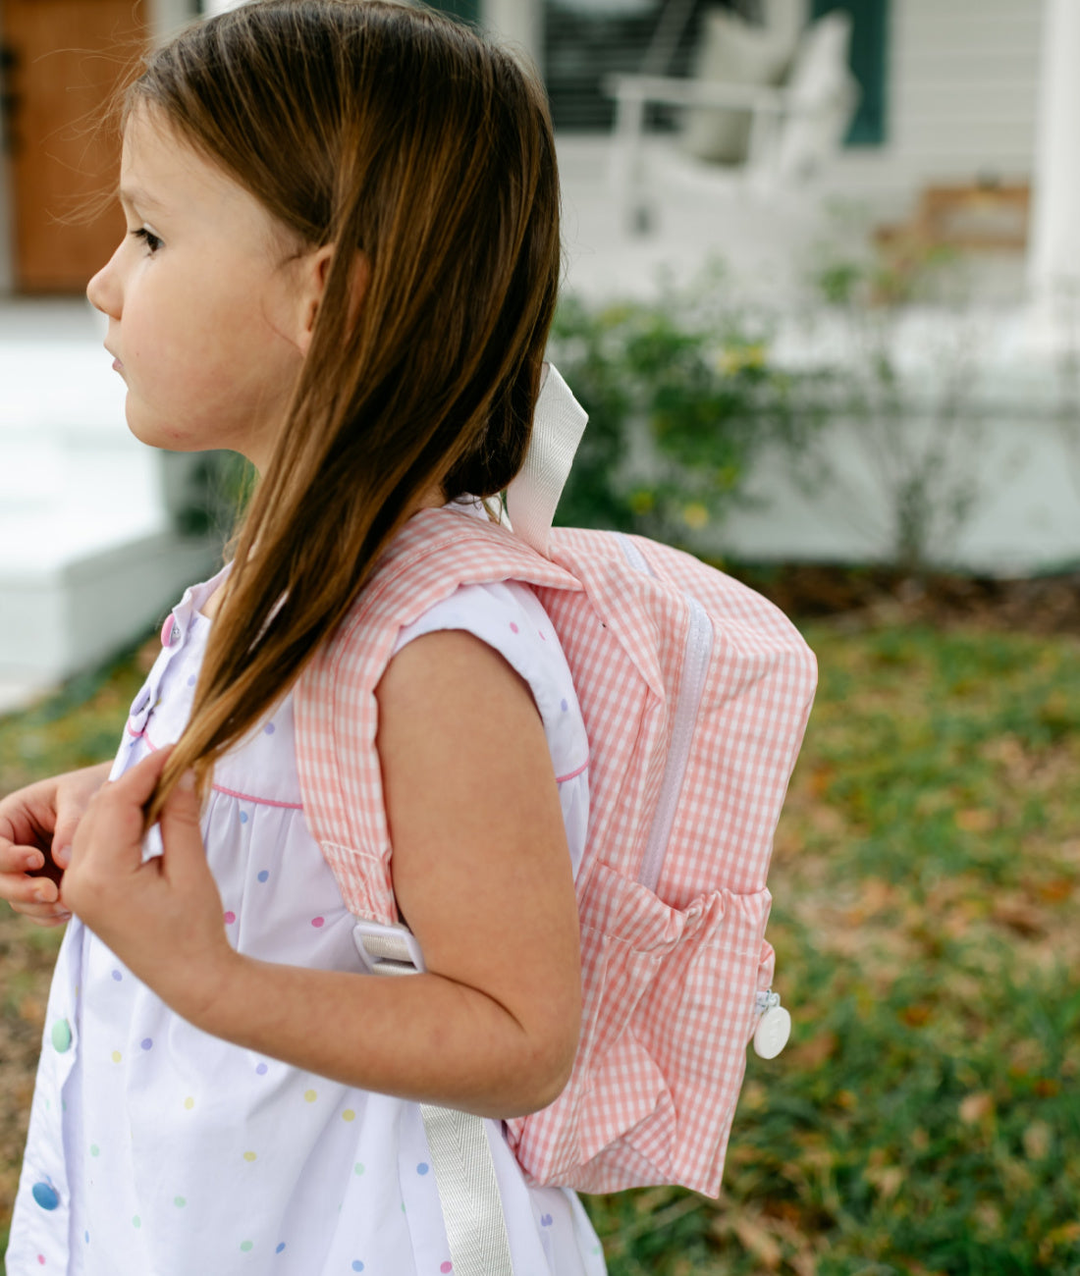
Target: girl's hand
x,y
37,825
162,918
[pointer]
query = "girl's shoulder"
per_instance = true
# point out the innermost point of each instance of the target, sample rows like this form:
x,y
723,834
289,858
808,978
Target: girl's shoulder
x,y
508,616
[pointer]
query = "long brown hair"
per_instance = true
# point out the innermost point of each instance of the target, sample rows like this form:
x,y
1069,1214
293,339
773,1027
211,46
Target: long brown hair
x,y
398,134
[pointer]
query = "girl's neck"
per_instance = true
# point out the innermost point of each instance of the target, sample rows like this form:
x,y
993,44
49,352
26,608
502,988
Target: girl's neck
x,y
432,499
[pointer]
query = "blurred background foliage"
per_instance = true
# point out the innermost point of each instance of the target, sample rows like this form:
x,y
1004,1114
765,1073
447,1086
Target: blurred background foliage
x,y
682,396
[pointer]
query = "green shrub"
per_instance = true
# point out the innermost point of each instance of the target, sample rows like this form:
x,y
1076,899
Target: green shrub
x,y
682,395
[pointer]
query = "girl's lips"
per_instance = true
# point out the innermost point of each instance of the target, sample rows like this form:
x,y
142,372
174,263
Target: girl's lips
x,y
117,365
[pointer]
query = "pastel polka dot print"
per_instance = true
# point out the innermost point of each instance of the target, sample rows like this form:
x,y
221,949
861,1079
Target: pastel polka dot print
x,y
205,1134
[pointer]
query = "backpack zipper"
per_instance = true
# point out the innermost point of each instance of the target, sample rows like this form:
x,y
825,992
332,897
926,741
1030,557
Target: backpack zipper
x,y
696,654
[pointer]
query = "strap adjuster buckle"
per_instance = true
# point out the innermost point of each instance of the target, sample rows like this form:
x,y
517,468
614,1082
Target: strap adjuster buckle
x,y
388,949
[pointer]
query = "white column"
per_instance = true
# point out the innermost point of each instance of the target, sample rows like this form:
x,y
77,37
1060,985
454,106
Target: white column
x,y
210,7
518,23
1054,240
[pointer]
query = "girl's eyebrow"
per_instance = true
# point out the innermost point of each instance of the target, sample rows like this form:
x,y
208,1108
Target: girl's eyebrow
x,y
135,196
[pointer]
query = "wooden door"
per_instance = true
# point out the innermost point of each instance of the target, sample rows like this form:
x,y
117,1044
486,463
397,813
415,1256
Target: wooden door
x,y
62,60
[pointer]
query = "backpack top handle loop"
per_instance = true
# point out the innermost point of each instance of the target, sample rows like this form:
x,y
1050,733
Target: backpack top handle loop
x,y
558,424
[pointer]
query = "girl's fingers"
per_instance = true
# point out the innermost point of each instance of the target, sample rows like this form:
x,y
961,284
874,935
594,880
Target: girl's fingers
x,y
35,898
18,889
181,831
70,809
138,784
44,914
111,830
19,859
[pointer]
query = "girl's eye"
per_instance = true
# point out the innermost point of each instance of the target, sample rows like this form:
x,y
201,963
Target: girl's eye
x,y
152,241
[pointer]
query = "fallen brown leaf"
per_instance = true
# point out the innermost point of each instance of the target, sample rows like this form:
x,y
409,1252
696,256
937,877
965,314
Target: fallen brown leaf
x,y
759,1241
975,820
976,1107
1037,1139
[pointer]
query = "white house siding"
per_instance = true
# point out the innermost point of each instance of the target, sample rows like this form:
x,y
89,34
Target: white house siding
x,y
961,90
962,93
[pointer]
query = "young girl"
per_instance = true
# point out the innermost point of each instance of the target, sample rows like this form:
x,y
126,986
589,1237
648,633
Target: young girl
x,y
341,261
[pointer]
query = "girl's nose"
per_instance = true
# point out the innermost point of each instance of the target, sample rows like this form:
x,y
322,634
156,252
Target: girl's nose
x,y
103,291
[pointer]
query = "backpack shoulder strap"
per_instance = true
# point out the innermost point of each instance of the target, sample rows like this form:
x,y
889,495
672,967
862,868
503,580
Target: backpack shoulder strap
x,y
336,711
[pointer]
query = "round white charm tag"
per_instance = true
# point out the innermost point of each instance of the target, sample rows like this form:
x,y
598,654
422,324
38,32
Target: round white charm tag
x,y
772,1033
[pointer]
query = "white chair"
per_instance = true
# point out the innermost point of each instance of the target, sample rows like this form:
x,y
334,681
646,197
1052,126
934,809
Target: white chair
x,y
770,133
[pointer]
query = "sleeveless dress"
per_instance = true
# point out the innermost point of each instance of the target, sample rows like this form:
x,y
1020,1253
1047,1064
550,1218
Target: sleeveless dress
x,y
156,1149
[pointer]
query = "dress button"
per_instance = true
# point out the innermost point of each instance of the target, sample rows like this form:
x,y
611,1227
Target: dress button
x,y
46,1195
170,632
61,1036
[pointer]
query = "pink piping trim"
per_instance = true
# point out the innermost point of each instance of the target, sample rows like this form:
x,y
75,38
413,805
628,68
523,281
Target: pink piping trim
x,y
561,779
246,797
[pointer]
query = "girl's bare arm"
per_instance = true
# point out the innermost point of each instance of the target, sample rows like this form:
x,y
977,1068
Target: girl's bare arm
x,y
481,872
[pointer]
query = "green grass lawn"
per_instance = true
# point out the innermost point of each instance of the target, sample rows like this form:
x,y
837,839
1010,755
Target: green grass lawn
x,y
926,1115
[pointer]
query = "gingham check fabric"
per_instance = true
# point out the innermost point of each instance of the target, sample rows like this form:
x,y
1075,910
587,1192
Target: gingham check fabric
x,y
670,975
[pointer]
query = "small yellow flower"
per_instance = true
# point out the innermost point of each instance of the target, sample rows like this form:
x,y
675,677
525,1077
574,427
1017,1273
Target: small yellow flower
x,y
695,516
733,359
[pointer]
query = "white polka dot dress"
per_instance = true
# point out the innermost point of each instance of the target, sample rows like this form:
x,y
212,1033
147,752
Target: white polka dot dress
x,y
158,1150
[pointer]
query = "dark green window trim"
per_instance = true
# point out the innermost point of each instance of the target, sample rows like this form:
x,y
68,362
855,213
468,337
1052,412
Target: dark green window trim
x,y
869,63
465,10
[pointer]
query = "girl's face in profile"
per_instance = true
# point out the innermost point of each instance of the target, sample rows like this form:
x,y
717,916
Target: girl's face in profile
x,y
202,299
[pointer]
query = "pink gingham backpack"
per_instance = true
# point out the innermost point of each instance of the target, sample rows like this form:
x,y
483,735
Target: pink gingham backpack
x,y
695,693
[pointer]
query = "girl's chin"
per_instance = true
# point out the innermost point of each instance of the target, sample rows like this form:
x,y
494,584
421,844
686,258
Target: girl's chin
x,y
158,435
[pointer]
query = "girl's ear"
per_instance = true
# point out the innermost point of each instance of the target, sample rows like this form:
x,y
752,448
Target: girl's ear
x,y
316,269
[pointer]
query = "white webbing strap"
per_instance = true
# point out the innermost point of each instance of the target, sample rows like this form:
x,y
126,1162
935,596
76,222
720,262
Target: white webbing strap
x,y
558,423
457,1141
468,1192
